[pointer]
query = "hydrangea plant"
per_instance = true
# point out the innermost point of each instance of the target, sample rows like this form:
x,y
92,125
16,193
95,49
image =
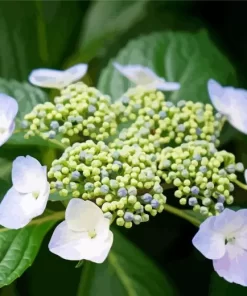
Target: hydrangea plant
x,y
119,158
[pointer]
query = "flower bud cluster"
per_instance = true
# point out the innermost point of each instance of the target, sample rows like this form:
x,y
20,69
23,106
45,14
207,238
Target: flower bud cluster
x,y
122,182
80,112
204,177
159,123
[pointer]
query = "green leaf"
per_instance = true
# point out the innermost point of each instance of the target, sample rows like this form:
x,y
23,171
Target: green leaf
x,y
29,34
188,58
105,21
126,271
18,248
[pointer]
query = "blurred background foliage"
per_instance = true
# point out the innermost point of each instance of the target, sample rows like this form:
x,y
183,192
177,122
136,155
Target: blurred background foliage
x,y
210,42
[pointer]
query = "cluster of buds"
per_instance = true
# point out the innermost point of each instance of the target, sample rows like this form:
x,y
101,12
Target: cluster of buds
x,y
158,123
80,112
122,182
204,177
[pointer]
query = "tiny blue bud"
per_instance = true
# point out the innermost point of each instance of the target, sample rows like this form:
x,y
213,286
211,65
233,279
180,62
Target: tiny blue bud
x,y
104,189
122,192
158,189
194,190
230,168
108,215
82,155
150,112
181,103
155,204
193,201
221,198
54,125
181,128
239,167
147,198
231,187
197,157
89,186
59,185
24,124
222,172
52,134
75,175
185,173
169,104
125,100
104,174
57,168
79,119
137,106
71,118
198,131
115,154
162,114
203,169
128,216
219,207
91,109
132,191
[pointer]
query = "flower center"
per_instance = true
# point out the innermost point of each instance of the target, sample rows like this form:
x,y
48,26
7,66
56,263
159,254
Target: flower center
x,y
92,233
230,240
35,194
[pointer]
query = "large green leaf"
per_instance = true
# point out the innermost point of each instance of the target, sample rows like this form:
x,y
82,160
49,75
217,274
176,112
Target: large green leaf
x,y
127,271
188,58
29,34
18,248
106,20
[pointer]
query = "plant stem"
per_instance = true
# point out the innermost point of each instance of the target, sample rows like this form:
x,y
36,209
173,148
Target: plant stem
x,y
240,184
182,214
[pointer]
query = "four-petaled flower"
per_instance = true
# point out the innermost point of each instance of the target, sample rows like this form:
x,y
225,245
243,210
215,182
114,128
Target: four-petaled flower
x,y
57,79
231,102
84,234
28,196
145,77
223,239
8,111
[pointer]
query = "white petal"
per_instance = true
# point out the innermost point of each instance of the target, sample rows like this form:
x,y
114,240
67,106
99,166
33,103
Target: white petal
x,y
7,134
228,222
218,98
8,111
41,201
48,78
136,73
16,209
241,234
233,266
210,243
28,175
168,86
76,72
83,215
75,245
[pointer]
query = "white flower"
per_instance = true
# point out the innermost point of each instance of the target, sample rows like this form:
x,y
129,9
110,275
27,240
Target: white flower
x,y
223,239
84,234
57,79
231,102
8,111
144,76
28,196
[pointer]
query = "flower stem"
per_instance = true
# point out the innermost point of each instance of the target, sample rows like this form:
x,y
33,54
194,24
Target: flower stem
x,y
240,184
182,214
